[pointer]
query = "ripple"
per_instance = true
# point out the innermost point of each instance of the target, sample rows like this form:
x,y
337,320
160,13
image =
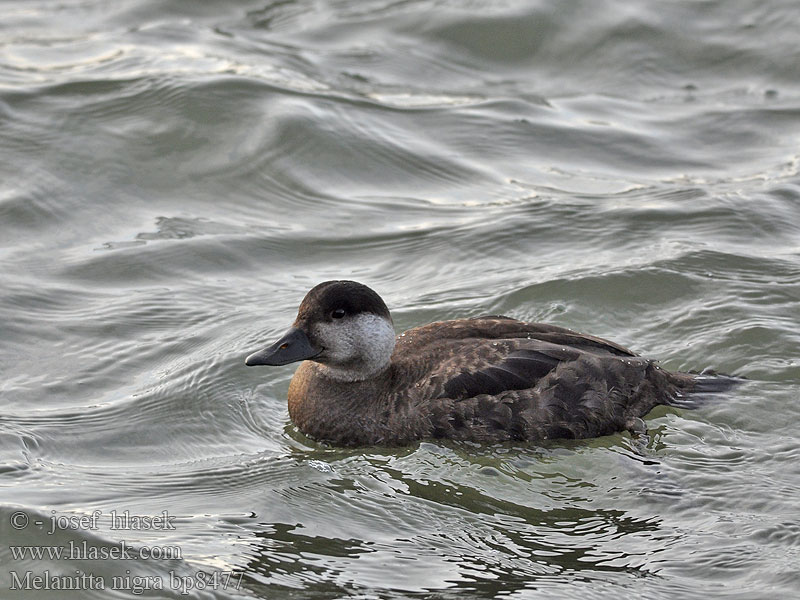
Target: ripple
x,y
175,178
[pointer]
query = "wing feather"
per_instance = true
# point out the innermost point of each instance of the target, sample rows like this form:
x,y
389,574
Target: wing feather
x,y
520,370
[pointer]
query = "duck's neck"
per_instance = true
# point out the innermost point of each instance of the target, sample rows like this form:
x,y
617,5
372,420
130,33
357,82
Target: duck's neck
x,y
357,372
335,411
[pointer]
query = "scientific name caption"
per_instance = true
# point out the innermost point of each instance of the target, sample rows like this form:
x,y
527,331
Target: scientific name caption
x,y
78,579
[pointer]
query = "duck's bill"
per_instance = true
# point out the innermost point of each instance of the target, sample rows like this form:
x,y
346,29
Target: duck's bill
x,y
292,347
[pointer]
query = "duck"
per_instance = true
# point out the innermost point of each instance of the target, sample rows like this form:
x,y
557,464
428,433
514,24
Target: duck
x,y
483,379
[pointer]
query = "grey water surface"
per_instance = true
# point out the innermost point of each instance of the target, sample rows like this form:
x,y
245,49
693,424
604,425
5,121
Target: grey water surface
x,y
174,176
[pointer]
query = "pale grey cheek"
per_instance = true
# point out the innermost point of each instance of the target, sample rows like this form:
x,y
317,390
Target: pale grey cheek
x,y
367,338
338,340
379,337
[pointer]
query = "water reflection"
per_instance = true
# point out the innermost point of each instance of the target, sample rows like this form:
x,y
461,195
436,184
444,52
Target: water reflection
x,y
447,527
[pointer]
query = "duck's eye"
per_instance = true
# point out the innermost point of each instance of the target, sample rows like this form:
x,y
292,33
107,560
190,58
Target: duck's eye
x,y
338,313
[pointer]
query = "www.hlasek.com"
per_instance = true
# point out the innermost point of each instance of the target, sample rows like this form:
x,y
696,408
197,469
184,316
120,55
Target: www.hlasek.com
x,y
86,551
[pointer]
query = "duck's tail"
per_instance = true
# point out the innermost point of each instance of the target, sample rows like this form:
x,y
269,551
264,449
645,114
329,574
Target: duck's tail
x,y
699,388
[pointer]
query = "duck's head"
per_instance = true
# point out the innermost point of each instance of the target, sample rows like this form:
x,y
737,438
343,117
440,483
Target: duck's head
x,y
342,325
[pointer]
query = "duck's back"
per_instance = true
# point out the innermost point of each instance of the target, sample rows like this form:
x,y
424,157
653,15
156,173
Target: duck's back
x,y
496,379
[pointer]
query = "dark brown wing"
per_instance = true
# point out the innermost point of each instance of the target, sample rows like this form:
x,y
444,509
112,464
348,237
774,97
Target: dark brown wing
x,y
521,369
490,355
494,379
590,396
512,328
428,337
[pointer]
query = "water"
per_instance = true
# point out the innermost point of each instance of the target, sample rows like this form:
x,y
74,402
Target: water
x,y
175,176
